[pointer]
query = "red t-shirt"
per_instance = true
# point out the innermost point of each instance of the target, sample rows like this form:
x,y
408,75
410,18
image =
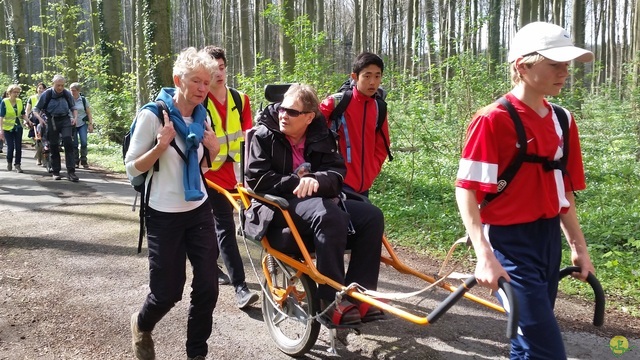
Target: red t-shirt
x,y
225,176
534,193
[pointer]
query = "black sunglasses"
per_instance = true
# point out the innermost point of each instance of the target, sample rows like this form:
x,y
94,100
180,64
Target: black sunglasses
x,y
292,112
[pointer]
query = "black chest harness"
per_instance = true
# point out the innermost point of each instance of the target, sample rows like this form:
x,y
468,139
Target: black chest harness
x,y
505,178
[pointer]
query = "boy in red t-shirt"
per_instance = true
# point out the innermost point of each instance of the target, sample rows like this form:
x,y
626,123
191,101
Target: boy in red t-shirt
x,y
517,235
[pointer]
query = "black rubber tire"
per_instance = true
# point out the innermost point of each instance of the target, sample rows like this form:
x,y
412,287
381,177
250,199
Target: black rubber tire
x,y
293,334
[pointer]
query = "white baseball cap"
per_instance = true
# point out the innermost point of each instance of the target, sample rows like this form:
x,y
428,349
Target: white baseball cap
x,y
548,40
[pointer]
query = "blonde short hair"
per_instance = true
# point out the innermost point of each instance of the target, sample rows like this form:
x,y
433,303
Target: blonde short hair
x,y
190,60
12,87
75,86
528,61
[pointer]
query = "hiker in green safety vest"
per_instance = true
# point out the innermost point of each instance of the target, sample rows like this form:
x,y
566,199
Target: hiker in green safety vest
x,y
230,114
11,111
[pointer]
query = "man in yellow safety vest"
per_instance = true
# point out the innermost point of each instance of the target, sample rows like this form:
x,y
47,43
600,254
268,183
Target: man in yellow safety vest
x,y
231,116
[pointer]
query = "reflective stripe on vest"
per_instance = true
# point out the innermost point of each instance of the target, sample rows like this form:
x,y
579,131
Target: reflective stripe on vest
x,y
229,138
10,116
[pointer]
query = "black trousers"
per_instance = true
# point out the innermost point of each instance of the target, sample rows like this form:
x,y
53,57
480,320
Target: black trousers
x,y
60,126
324,221
226,234
172,238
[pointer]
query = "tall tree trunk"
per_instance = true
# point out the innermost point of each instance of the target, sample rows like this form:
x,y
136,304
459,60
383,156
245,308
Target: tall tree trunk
x,y
613,44
245,45
17,34
257,33
636,51
578,33
357,31
4,36
379,22
158,44
364,26
95,22
557,16
495,9
636,67
140,59
320,26
430,15
110,39
533,7
466,26
70,30
525,13
625,54
604,49
393,31
287,52
44,35
410,29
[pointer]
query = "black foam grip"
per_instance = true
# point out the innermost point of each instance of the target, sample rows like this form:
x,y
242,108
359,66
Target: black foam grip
x,y
598,316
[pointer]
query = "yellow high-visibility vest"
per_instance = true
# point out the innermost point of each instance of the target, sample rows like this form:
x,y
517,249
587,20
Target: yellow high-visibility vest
x,y
231,137
10,115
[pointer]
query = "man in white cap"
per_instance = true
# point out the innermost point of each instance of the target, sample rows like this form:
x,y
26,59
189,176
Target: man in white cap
x,y
513,205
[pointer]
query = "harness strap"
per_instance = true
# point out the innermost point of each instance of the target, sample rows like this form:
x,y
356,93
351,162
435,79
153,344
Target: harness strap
x,y
509,173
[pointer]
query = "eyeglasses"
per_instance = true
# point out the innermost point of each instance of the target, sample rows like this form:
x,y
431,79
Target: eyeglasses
x,y
292,112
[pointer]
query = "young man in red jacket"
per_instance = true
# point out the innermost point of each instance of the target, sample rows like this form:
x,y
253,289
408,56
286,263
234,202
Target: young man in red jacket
x,y
363,139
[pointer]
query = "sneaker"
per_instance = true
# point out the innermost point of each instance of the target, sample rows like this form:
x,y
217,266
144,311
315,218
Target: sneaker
x,y
19,169
39,163
141,341
223,279
9,167
244,296
56,176
72,177
86,166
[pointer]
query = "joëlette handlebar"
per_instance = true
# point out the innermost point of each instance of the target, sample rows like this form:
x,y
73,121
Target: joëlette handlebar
x,y
598,316
512,322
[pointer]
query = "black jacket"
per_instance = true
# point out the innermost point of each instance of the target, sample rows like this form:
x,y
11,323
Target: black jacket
x,y
270,159
269,167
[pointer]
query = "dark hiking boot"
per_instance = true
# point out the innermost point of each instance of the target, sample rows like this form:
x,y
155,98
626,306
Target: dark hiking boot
x,y
141,341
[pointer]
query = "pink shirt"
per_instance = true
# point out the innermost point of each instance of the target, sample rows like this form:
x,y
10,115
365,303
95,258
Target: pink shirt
x,y
298,152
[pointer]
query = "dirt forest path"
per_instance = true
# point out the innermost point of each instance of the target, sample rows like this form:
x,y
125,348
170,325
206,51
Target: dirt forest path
x,y
70,279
